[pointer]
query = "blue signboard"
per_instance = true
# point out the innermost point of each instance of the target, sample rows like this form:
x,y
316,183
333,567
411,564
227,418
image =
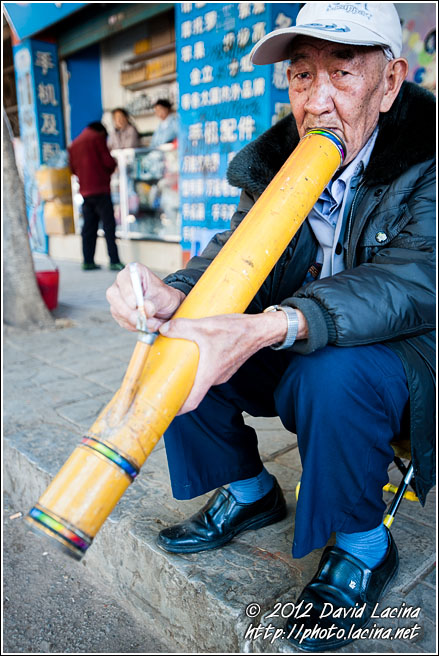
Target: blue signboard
x,y
282,16
41,122
225,102
28,18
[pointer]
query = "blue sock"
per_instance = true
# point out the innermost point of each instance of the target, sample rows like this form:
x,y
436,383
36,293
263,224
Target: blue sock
x,y
368,546
252,489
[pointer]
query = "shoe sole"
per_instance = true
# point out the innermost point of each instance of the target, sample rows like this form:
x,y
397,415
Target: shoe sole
x,y
254,523
341,643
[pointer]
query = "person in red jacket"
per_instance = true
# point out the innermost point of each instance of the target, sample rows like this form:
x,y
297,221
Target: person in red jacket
x,y
92,162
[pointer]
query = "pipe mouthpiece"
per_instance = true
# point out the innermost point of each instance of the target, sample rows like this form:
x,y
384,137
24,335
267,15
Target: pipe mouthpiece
x,y
338,143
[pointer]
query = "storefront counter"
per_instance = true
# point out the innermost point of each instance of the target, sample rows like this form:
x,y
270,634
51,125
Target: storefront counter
x,y
144,190
145,193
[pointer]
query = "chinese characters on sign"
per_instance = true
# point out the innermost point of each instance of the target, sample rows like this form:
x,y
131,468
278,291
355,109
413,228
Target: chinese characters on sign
x,y
41,122
225,102
48,105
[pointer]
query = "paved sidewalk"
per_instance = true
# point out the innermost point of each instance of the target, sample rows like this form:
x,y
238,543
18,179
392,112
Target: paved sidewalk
x,y
51,607
55,384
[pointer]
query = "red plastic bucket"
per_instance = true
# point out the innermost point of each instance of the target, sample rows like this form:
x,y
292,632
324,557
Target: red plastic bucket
x,y
48,282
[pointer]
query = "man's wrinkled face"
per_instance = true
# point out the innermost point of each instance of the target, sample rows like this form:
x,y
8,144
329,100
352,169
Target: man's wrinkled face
x,y
338,87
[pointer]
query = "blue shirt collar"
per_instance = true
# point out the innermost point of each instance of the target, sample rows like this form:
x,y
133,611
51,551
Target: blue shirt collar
x,y
355,168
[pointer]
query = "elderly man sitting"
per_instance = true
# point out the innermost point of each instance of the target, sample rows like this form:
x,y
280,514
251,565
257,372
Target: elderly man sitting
x,y
338,342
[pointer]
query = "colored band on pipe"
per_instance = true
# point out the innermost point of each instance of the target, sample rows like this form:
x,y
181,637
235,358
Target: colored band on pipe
x,y
55,526
335,140
112,455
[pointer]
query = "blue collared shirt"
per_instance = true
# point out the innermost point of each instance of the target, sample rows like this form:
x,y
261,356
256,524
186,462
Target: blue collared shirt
x,y
329,213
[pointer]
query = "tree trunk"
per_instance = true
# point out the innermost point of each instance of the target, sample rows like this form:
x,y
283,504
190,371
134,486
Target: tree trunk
x,y
23,305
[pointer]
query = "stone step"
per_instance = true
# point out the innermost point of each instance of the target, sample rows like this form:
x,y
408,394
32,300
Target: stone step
x,y
198,602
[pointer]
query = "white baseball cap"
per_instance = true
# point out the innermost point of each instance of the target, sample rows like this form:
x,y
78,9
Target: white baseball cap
x,y
357,23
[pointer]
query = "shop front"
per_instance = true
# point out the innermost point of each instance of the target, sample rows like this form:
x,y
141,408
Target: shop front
x,y
132,67
101,57
91,58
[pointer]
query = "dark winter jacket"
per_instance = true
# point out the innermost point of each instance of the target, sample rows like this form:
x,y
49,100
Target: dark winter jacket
x,y
92,162
386,294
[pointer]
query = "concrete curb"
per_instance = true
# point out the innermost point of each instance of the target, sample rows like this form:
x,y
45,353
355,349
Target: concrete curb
x,y
160,589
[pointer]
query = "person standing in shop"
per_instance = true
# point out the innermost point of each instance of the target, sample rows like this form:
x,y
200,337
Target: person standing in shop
x,y
167,129
125,134
92,163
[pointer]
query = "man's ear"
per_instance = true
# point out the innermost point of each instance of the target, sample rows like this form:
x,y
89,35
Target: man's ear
x,y
394,75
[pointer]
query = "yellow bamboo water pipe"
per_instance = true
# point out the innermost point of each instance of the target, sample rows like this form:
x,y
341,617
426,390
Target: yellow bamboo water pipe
x,y
102,466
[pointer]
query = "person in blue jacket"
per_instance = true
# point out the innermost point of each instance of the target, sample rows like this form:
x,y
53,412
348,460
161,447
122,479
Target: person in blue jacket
x,y
167,129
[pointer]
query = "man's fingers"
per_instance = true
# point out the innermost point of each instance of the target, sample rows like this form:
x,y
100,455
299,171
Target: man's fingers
x,y
160,301
202,383
128,326
122,308
150,308
126,320
192,402
125,288
154,324
184,329
121,292
121,311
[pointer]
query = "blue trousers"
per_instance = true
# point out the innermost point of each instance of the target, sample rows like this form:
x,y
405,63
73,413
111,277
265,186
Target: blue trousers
x,y
344,404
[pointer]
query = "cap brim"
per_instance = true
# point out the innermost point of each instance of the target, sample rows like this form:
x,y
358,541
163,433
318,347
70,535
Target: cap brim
x,y
276,46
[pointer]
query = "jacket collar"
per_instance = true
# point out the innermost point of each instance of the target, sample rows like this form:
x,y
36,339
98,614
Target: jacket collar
x,y
406,137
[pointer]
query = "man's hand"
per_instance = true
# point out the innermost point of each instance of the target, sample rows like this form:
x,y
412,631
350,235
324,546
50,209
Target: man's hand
x,y
225,342
161,300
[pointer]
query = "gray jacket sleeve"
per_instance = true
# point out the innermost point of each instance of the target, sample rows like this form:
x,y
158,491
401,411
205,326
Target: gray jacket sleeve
x,y
390,296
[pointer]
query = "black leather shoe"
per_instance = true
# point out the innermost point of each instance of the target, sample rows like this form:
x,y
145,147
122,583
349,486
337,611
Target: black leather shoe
x,y
221,519
340,599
